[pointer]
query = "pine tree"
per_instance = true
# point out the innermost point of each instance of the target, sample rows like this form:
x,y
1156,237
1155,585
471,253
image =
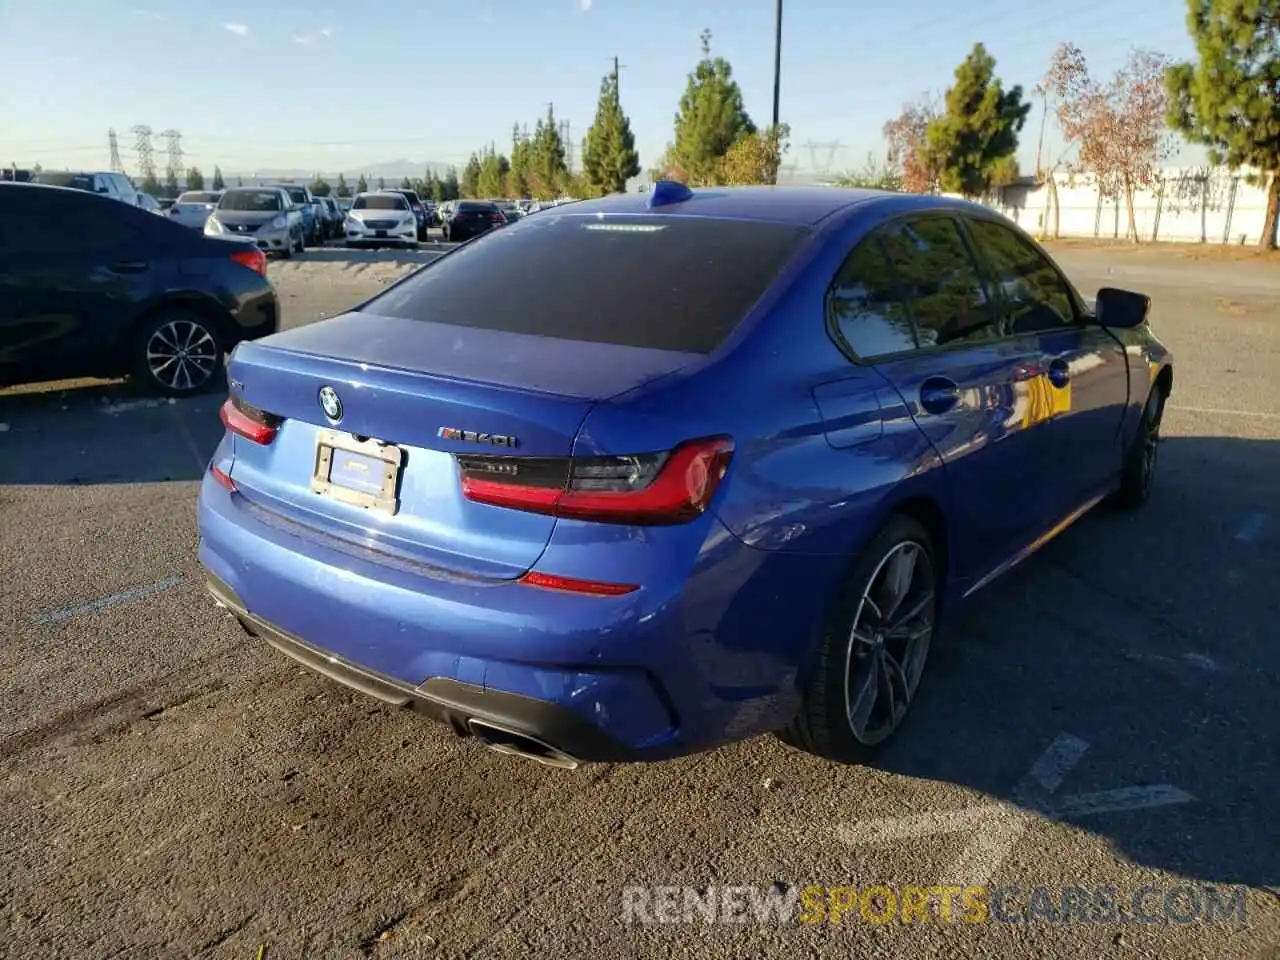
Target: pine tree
x,y
171,187
546,170
382,183
362,184
494,168
218,182
972,143
195,179
470,184
1229,98
711,119
342,190
609,157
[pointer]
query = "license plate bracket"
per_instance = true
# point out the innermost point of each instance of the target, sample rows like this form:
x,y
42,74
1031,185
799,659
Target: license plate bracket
x,y
380,233
360,473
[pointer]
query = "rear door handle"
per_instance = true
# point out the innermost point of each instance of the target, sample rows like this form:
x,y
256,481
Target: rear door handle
x,y
938,395
128,266
1059,372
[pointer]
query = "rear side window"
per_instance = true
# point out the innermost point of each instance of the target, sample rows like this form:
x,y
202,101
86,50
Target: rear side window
x,y
56,226
940,281
1032,295
664,283
865,307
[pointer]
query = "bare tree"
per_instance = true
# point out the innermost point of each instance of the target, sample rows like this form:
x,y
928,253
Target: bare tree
x,y
905,135
1119,127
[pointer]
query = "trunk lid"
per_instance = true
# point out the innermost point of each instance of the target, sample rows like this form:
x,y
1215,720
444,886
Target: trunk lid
x,y
415,384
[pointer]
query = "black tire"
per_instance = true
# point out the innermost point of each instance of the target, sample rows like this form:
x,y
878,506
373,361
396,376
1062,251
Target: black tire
x,y
823,725
166,332
302,241
1143,454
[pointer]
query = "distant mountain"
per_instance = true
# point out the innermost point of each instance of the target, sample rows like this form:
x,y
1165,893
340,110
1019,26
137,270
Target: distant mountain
x,y
390,170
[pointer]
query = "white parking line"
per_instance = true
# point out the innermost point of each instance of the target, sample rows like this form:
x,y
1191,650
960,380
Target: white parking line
x,y
102,603
997,827
1218,412
1251,528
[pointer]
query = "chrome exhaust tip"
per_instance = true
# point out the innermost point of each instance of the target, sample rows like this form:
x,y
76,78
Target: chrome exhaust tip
x,y
501,740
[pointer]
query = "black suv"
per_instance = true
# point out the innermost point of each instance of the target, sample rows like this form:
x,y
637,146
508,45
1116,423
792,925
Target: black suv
x,y
415,203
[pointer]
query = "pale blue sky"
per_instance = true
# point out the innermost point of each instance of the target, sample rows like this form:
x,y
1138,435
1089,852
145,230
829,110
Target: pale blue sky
x,y
336,86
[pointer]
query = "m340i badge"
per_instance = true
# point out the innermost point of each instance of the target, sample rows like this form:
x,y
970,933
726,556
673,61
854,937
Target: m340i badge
x,y
471,436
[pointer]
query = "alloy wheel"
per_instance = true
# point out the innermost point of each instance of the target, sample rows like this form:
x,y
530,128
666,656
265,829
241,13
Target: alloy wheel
x,y
182,355
889,642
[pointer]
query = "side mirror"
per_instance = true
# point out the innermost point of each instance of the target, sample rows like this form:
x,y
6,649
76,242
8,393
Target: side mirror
x,y
1121,308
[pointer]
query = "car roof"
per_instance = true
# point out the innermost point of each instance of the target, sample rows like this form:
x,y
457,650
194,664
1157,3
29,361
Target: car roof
x,y
799,206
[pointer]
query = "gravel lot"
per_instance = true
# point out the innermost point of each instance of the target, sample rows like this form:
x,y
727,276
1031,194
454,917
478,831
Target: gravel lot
x,y
170,788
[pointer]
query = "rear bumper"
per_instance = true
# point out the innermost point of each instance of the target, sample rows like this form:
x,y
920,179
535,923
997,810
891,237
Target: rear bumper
x,y
445,699
709,658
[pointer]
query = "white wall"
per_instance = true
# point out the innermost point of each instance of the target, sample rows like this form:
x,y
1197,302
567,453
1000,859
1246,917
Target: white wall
x,y
1190,204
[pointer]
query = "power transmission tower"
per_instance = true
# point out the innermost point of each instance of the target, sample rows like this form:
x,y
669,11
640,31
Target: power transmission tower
x,y
116,166
824,168
142,148
566,139
175,151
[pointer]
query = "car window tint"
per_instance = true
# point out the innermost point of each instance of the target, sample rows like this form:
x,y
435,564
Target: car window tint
x,y
939,280
659,282
56,226
1032,294
865,306
101,229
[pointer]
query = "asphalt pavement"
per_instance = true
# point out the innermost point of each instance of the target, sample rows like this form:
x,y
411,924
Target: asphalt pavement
x,y
1103,719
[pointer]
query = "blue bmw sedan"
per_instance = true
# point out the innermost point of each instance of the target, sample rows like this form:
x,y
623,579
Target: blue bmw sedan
x,y
643,475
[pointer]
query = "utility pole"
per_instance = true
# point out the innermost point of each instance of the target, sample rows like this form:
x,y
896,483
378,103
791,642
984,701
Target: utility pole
x,y
777,63
617,76
1044,115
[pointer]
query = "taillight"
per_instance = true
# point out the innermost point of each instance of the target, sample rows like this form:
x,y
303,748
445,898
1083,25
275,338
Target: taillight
x,y
245,420
497,218
645,489
252,258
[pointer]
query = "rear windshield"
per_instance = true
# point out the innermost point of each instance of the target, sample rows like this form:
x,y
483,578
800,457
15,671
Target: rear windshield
x,y
665,283
385,202
475,206
198,197
298,194
409,195
262,201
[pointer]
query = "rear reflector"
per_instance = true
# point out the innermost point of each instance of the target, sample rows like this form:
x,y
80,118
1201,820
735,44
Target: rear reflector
x,y
595,588
223,478
246,420
645,489
254,259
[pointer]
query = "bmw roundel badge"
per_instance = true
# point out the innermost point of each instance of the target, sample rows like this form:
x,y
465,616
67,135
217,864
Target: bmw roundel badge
x,y
330,403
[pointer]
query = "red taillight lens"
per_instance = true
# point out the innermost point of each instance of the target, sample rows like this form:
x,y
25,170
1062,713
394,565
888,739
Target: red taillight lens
x,y
254,259
497,218
595,588
246,420
222,477
648,489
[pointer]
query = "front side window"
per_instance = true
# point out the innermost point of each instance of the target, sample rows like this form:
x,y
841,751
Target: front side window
x,y
940,282
865,306
1033,296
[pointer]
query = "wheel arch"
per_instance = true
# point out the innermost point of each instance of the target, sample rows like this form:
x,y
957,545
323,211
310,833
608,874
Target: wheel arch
x,y
208,307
